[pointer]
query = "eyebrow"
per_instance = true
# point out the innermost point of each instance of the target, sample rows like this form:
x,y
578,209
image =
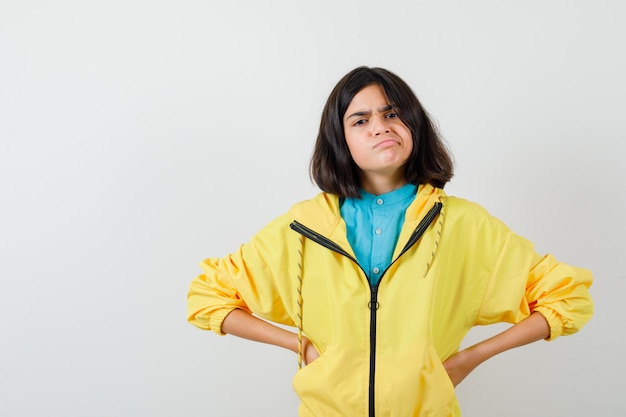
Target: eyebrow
x,y
365,113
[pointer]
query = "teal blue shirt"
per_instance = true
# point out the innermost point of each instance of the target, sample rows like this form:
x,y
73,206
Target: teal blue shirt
x,y
374,224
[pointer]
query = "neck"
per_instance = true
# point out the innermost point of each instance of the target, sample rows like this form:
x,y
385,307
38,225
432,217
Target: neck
x,y
382,185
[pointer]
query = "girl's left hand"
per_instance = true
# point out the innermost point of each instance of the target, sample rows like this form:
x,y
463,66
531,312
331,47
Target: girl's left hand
x,y
532,328
460,365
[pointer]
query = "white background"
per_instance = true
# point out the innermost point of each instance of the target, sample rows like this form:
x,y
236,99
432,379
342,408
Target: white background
x,y
139,137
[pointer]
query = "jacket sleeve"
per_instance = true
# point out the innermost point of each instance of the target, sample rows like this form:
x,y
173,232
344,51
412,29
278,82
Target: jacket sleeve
x,y
523,281
560,293
248,279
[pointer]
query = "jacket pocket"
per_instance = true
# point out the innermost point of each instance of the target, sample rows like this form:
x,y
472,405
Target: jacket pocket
x,y
335,384
412,381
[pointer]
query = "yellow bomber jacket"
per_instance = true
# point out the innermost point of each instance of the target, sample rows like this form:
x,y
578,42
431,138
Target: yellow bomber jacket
x,y
455,267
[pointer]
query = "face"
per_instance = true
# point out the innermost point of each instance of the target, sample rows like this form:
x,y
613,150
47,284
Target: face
x,y
379,142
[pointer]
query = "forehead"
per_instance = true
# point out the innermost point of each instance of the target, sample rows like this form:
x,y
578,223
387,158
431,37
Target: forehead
x,y
371,96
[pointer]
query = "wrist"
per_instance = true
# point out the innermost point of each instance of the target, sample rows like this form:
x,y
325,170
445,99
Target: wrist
x,y
479,352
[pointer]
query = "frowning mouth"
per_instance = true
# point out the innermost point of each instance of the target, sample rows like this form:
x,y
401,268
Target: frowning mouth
x,y
385,142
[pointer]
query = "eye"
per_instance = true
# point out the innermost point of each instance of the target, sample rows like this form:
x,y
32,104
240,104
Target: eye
x,y
391,115
359,122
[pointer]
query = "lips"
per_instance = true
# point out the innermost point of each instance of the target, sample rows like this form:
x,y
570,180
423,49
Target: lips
x,y
386,142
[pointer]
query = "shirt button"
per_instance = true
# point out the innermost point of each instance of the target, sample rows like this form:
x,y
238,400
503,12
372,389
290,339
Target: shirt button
x,y
378,231
376,270
380,201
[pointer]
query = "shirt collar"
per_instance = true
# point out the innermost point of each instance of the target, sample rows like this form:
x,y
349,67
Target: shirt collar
x,y
401,194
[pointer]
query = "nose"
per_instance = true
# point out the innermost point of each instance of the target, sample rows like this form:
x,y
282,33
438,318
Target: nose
x,y
379,125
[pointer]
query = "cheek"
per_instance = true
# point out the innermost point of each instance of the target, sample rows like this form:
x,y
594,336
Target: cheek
x,y
358,155
409,147
355,152
409,141
354,144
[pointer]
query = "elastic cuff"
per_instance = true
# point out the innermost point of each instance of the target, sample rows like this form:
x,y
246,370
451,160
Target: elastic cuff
x,y
217,318
554,321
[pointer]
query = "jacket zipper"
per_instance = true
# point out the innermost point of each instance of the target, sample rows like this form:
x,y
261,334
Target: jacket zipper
x,y
373,304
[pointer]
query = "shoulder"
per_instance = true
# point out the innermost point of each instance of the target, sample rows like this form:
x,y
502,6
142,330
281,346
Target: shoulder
x,y
470,219
464,207
322,202
464,212
320,213
317,212
321,209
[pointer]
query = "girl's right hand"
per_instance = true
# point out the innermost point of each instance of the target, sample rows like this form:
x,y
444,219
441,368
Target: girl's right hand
x,y
309,353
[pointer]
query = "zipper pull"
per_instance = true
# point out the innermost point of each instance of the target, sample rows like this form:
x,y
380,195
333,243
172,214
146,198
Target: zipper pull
x,y
373,304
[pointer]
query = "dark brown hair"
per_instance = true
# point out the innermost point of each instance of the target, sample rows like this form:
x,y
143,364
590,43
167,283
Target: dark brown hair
x,y
332,168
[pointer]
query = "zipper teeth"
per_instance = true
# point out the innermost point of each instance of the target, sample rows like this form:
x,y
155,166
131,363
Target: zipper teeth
x,y
415,236
322,240
329,244
373,304
372,377
417,233
422,226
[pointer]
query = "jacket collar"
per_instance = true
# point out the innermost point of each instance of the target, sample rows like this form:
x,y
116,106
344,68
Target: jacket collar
x,y
321,213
